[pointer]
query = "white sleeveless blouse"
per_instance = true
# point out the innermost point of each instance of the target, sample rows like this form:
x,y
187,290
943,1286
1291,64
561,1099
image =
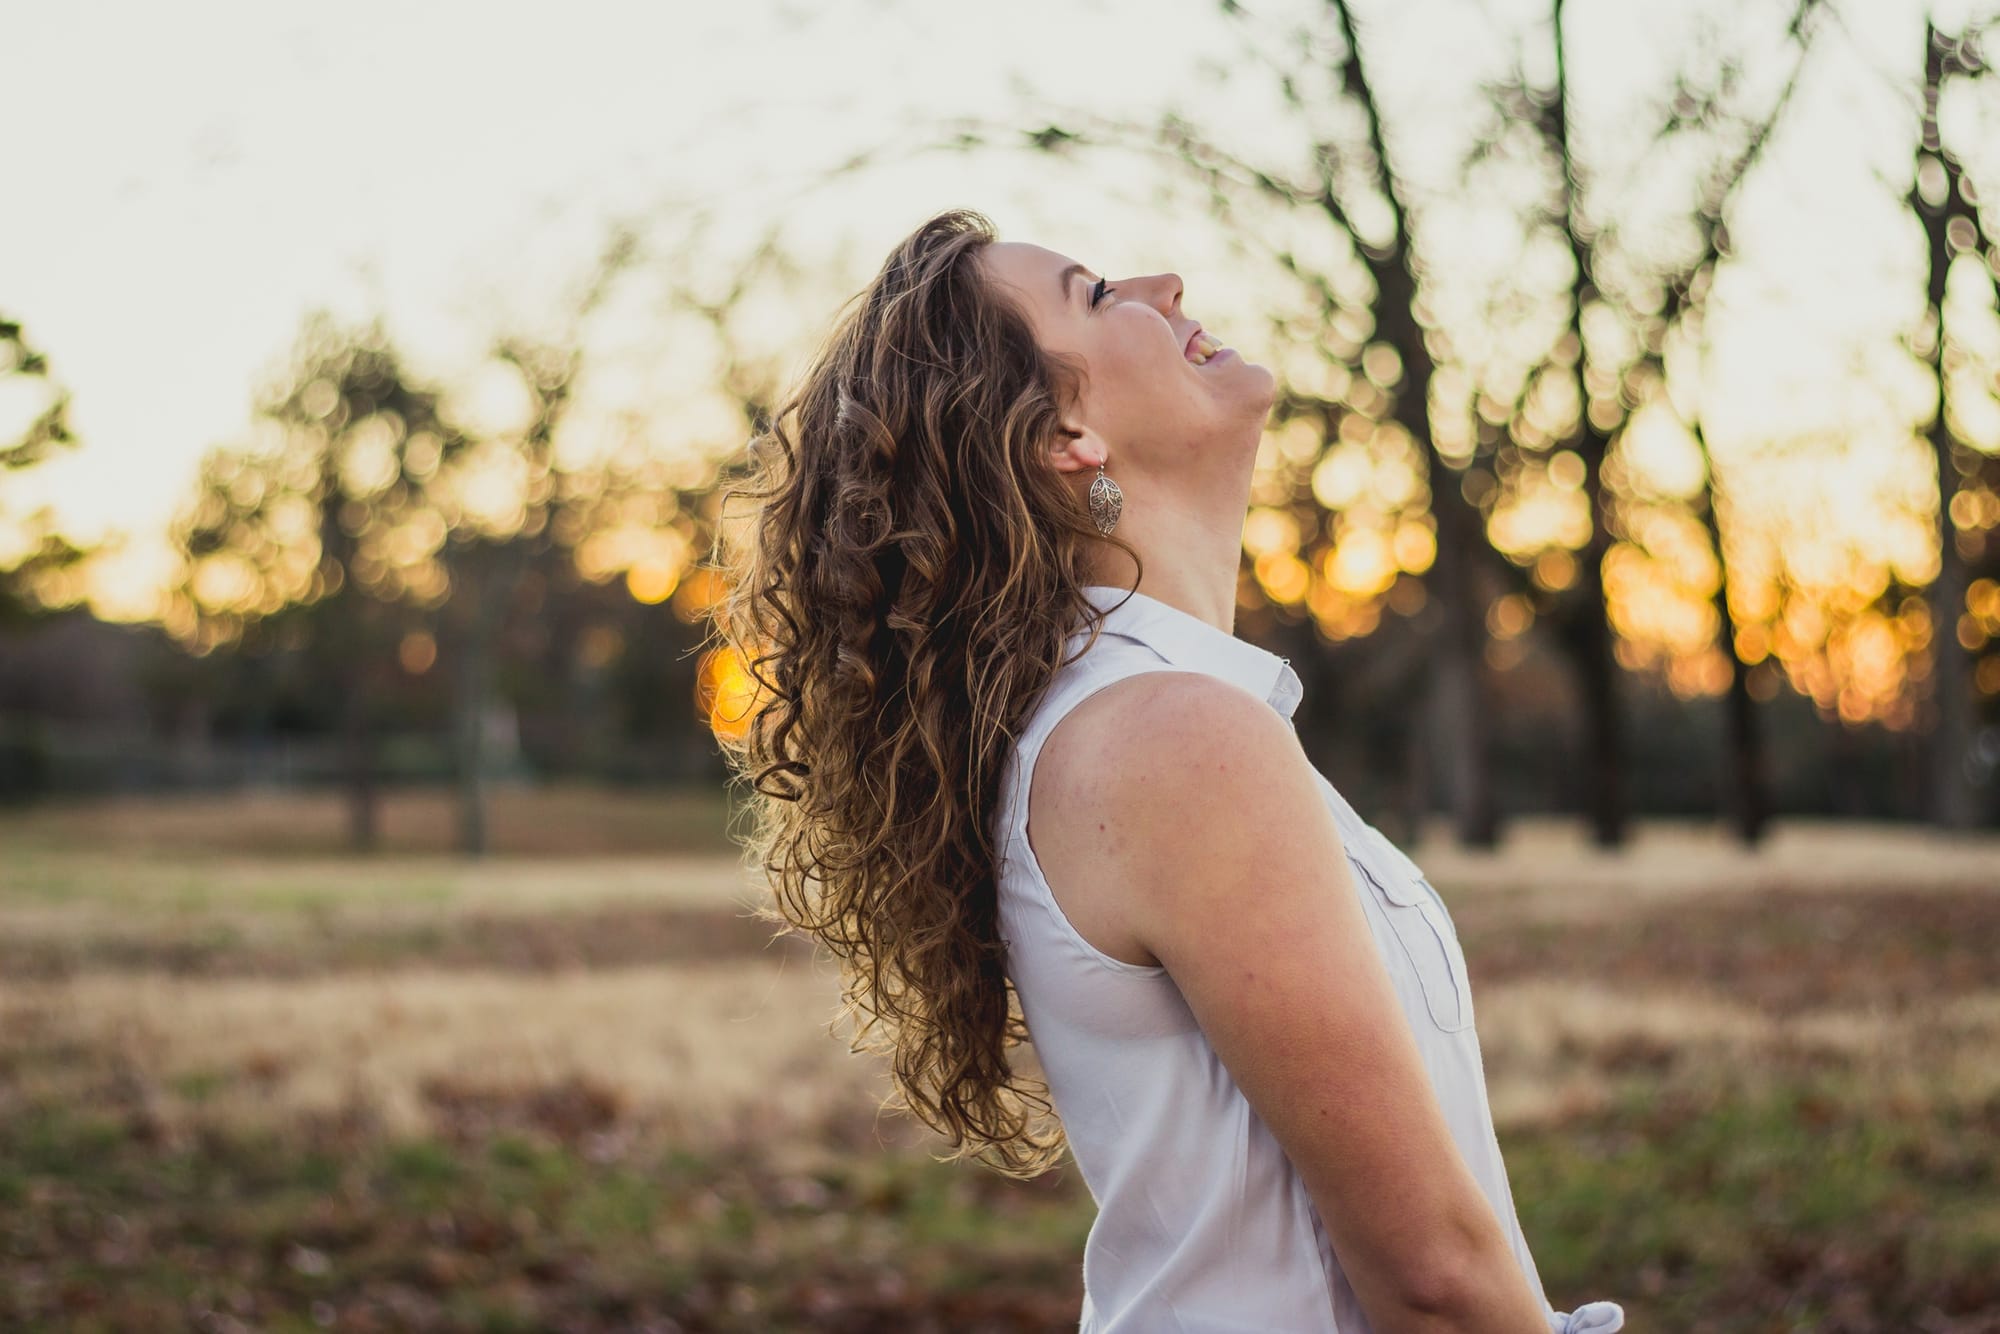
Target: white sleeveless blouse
x,y
1203,1225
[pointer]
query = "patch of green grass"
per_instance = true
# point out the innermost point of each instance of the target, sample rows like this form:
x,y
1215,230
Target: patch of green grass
x,y
62,1142
1728,1209
1737,1200
423,1169
615,1205
199,1086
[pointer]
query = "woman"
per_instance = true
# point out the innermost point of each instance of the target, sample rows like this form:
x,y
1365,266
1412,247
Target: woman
x,y
990,584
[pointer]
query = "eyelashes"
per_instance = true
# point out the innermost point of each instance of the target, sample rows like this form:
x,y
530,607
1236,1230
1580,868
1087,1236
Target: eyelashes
x,y
1098,292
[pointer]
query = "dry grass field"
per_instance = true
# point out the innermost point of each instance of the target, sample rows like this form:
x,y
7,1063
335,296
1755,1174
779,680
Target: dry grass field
x,y
248,1081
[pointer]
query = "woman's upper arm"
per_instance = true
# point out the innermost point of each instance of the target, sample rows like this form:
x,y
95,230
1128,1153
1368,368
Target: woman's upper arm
x,y
1237,880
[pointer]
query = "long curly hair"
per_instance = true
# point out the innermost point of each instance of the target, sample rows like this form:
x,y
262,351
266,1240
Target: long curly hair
x,y
899,599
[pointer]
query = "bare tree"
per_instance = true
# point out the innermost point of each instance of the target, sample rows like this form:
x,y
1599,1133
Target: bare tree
x,y
1660,295
321,537
1651,297
1378,212
49,552
1946,203
1375,328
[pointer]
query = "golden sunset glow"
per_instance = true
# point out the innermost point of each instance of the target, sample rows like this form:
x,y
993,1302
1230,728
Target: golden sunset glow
x,y
1805,367
730,692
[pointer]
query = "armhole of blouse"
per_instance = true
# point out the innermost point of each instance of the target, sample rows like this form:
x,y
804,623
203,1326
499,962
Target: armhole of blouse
x,y
1018,834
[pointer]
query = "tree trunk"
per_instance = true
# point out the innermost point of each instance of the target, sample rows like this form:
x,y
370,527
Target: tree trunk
x,y
1588,635
1746,794
470,672
1462,688
1746,791
358,758
1590,629
1953,802
1458,665
490,581
1458,662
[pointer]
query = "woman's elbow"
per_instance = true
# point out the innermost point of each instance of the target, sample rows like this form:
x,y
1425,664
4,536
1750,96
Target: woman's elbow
x,y
1474,1289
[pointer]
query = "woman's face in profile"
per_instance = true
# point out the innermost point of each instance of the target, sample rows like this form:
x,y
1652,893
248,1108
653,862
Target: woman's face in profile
x,y
1148,402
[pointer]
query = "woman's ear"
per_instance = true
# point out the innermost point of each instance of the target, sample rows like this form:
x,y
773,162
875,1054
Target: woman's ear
x,y
1077,449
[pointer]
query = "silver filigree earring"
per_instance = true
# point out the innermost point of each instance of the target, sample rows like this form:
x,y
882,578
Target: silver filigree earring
x,y
1107,502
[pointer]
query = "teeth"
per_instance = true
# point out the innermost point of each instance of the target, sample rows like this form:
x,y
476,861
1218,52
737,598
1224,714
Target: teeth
x,y
1203,348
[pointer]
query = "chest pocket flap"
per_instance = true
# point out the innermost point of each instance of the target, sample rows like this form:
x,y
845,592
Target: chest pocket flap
x,y
1417,915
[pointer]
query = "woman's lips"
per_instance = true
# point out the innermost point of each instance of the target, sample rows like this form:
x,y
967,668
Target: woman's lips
x,y
1202,349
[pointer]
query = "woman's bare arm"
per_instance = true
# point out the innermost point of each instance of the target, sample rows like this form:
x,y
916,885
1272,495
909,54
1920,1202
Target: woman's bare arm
x,y
1216,846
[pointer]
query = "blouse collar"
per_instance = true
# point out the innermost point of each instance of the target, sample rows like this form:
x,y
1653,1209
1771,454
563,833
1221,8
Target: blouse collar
x,y
1186,640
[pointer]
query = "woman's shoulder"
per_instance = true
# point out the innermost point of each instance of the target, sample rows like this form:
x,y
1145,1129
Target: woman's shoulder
x,y
1159,721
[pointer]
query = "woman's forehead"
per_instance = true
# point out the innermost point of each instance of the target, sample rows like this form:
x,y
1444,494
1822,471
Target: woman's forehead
x,y
1043,274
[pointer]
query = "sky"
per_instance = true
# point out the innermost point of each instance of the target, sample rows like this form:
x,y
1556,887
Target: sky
x,y
199,175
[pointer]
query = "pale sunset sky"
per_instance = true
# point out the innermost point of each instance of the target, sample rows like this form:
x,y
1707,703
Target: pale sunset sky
x,y
186,181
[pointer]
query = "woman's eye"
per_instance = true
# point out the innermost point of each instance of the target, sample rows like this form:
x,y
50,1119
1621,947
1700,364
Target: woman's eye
x,y
1099,292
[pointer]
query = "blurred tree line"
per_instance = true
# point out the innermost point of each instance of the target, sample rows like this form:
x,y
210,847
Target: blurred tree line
x,y
41,549
430,598
1528,625
1527,510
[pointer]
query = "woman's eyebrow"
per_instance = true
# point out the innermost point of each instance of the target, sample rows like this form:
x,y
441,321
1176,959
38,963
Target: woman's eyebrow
x,y
1068,274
